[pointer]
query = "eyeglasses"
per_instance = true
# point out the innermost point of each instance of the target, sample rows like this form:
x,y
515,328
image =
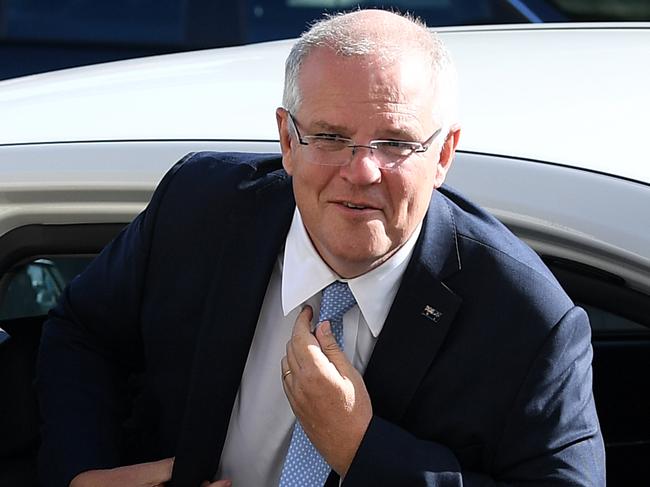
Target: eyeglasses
x,y
331,149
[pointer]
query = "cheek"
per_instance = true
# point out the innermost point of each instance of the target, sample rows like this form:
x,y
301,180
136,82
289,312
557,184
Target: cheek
x,y
303,194
411,195
309,182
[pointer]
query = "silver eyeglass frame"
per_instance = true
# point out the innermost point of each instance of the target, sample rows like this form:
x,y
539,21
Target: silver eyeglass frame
x,y
418,147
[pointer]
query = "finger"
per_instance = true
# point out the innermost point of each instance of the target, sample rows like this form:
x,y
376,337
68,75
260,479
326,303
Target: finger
x,y
330,348
287,385
151,473
293,363
302,326
218,483
287,379
301,339
284,366
287,371
326,339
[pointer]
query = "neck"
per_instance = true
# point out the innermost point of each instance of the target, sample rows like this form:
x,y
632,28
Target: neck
x,y
350,269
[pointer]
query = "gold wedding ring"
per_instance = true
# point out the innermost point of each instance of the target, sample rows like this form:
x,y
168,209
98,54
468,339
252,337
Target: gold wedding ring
x,y
285,374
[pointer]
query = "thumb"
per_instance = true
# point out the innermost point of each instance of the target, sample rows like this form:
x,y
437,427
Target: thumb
x,y
218,483
330,348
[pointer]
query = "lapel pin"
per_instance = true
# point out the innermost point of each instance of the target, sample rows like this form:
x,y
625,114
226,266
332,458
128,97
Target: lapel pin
x,y
431,313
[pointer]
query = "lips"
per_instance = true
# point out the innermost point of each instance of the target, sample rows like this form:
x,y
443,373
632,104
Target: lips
x,y
353,206
357,205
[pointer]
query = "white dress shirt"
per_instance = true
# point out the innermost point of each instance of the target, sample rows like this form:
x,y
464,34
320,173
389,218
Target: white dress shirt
x,y
262,421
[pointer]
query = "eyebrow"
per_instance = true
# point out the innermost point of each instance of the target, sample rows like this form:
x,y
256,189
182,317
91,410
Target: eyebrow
x,y
322,126
397,134
389,134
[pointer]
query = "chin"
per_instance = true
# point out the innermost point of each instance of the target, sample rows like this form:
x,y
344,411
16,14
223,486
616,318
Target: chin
x,y
359,258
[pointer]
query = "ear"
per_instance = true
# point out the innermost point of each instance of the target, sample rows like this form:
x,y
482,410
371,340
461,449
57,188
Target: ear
x,y
447,154
282,118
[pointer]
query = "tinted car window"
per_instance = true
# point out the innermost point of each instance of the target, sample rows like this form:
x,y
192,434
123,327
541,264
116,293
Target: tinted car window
x,y
613,307
603,322
44,35
604,10
277,19
176,22
118,21
32,288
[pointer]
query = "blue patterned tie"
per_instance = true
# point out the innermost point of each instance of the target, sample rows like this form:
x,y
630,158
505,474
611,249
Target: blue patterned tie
x,y
304,466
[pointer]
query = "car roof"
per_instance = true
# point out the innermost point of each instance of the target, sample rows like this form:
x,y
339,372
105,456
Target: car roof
x,y
568,94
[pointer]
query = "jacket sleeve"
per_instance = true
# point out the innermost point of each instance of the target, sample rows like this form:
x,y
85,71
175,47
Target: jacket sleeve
x,y
551,438
89,347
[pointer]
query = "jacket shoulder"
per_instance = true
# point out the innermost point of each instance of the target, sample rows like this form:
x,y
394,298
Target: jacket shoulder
x,y
209,178
479,231
238,170
500,261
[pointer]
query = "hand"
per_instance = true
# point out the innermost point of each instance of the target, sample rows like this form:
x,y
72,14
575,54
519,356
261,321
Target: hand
x,y
217,483
327,394
152,474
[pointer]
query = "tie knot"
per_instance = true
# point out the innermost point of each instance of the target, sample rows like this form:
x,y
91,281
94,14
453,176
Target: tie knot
x,y
337,300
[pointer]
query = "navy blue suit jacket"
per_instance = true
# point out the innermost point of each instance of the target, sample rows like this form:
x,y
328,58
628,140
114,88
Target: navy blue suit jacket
x,y
481,375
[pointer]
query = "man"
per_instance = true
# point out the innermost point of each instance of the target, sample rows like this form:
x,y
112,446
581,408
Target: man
x,y
456,359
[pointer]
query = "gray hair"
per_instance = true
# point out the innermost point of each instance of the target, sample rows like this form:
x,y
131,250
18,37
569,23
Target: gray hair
x,y
347,36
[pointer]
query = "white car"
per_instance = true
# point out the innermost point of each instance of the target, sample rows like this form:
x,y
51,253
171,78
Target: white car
x,y
555,143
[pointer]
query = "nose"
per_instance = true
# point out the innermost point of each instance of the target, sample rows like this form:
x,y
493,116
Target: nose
x,y
363,168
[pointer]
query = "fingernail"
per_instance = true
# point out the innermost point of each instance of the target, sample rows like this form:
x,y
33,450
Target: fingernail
x,y
325,326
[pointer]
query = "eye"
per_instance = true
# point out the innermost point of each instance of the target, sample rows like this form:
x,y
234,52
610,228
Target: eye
x,y
397,148
328,142
328,136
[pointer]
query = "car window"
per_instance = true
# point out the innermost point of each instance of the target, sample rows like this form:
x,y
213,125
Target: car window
x,y
32,288
604,10
613,307
115,22
278,19
605,322
44,35
177,22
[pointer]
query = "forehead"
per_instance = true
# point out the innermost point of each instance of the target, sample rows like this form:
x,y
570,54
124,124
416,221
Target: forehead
x,y
366,85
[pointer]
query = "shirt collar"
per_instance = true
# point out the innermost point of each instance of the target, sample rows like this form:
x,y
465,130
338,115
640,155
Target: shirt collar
x,y
304,274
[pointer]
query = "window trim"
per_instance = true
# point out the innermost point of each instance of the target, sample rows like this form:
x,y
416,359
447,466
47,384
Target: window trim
x,y
32,241
603,290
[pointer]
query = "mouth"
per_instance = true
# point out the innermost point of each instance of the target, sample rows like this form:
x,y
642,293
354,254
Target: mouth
x,y
358,205
354,206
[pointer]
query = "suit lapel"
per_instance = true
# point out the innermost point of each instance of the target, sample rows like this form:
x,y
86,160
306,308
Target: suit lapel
x,y
233,305
419,319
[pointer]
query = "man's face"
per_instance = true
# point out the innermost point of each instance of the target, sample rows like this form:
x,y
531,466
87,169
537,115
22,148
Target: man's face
x,y
358,215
